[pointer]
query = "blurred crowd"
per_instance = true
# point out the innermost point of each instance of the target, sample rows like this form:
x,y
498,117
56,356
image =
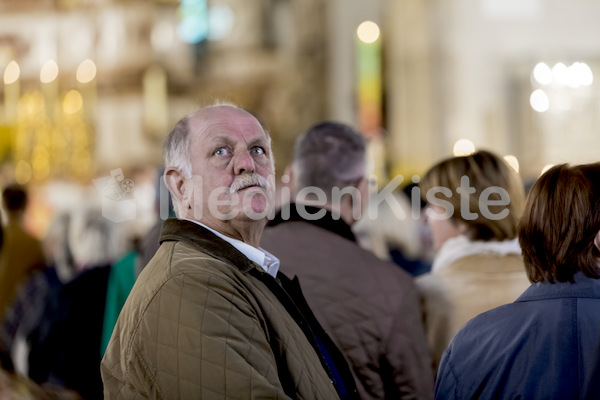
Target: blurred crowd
x,y
61,293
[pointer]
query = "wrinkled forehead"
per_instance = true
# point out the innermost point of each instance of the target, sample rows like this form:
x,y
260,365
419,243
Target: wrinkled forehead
x,y
228,122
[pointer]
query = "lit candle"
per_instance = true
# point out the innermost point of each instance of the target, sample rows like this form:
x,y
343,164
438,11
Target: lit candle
x,y
86,74
11,91
48,77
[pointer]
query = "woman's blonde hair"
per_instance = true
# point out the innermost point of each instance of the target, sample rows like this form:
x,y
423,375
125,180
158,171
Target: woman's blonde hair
x,y
484,170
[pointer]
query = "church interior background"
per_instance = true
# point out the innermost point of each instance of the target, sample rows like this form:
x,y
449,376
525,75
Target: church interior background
x,y
89,89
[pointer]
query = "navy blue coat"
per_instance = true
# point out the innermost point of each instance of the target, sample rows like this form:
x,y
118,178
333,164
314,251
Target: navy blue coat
x,y
545,345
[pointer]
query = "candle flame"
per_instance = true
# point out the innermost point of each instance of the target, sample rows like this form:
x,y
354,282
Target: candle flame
x,y
86,71
49,71
11,73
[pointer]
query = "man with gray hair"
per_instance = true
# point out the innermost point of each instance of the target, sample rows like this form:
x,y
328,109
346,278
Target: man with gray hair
x,y
210,316
368,306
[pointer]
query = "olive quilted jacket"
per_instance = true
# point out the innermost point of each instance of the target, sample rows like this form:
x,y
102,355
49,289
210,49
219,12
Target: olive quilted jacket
x,y
204,322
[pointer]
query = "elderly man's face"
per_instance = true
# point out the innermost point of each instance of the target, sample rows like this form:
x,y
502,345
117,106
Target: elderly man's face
x,y
232,166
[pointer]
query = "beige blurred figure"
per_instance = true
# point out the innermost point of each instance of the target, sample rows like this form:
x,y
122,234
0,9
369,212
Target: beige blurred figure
x,y
478,263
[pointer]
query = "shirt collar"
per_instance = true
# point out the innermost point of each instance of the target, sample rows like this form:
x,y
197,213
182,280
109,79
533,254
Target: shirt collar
x,y
260,256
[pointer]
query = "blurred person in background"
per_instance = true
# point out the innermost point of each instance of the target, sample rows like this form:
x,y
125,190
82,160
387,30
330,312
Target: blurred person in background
x,y
25,312
125,271
388,229
546,344
22,254
65,347
474,205
211,316
369,306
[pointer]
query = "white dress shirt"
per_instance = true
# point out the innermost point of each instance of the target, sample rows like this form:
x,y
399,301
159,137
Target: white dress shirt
x,y
266,260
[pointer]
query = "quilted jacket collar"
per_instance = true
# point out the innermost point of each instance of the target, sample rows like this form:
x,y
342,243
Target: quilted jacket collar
x,y
337,226
204,240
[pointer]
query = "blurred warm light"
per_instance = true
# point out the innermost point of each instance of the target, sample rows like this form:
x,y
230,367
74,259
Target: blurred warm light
x,y
86,71
576,75
73,102
22,172
220,21
31,103
542,74
368,32
11,73
463,147
539,100
49,71
579,74
586,76
546,168
40,162
560,74
512,161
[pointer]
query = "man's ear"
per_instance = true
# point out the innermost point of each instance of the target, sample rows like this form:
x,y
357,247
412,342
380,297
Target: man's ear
x,y
175,181
597,240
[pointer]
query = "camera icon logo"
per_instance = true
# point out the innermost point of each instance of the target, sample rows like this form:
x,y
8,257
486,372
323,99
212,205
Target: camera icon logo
x,y
118,203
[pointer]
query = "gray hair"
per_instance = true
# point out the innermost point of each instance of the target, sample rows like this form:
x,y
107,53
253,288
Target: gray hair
x,y
176,149
328,155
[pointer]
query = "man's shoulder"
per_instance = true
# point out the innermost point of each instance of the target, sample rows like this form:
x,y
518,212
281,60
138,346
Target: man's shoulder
x,y
180,259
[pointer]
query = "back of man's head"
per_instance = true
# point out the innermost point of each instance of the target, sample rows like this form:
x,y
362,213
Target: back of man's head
x,y
14,198
328,155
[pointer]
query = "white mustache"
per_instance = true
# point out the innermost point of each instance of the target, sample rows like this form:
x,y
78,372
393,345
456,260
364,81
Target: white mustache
x,y
247,180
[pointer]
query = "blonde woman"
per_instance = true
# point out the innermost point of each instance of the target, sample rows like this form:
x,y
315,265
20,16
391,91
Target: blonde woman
x,y
474,205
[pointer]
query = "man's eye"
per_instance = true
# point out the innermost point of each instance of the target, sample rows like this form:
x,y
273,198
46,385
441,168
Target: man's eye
x,y
258,150
221,152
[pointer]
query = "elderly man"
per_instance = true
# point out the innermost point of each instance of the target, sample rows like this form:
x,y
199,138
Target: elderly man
x,y
210,316
368,306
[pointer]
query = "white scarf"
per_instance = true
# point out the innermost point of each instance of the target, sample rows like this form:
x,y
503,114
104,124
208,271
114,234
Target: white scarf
x,y
458,247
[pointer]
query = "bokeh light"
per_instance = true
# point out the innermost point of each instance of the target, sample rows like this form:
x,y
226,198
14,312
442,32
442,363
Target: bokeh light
x,y
512,161
539,101
368,32
463,147
49,71
542,74
73,102
11,73
86,72
546,168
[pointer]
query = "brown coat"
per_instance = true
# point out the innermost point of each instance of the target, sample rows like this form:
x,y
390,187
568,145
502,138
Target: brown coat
x,y
203,321
369,307
21,255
